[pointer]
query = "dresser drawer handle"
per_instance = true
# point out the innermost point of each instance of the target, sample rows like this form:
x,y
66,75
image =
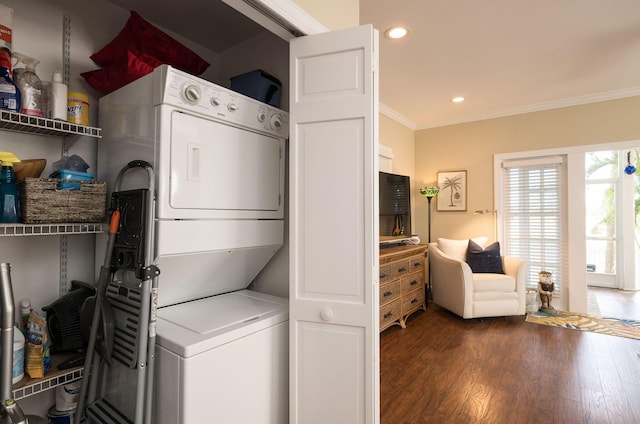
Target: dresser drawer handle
x,y
414,300
383,275
388,293
403,269
417,265
413,283
387,315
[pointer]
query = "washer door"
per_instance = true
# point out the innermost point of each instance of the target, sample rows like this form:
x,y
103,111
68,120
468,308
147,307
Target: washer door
x,y
217,167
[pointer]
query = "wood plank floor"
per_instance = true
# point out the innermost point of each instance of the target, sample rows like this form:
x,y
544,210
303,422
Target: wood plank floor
x,y
614,303
442,369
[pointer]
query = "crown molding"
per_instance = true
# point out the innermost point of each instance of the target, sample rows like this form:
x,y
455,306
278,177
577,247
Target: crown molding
x,y
538,107
397,116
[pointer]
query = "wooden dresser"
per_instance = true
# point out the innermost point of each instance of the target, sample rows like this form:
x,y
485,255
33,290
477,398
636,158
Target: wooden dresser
x,y
402,288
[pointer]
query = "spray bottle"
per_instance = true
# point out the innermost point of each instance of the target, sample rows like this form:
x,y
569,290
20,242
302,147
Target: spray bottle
x,y
9,201
30,85
10,98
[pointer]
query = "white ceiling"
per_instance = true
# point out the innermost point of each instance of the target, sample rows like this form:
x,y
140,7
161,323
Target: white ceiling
x,y
504,56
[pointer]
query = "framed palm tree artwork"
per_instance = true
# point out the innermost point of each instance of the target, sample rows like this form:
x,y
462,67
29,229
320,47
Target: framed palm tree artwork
x,y
453,191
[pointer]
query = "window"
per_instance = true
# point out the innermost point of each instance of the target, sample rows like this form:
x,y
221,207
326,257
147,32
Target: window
x,y
533,205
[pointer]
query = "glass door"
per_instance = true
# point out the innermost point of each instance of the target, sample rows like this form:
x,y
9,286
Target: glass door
x,y
612,207
602,179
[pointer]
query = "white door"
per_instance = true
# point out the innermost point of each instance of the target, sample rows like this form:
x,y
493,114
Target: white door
x,y
611,219
334,337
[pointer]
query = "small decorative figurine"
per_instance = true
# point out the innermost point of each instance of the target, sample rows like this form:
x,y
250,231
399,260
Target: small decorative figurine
x,y
545,288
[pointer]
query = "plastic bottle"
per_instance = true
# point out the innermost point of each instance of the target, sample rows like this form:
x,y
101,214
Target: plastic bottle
x,y
18,356
9,201
25,310
30,86
58,97
45,105
10,98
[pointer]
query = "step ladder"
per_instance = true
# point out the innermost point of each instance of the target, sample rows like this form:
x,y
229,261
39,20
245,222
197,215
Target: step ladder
x,y
117,386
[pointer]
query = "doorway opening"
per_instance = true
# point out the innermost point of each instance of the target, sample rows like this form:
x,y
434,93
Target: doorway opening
x,y
612,212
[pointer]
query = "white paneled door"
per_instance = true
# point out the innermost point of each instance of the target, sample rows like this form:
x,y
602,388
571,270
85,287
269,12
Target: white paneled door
x,y
334,337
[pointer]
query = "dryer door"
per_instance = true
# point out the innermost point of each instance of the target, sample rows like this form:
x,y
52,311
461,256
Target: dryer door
x,y
220,171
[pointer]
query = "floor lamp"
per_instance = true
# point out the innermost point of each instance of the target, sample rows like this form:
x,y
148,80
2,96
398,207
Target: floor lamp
x,y
429,193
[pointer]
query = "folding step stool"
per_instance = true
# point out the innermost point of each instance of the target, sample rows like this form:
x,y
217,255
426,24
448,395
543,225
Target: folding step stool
x,y
127,290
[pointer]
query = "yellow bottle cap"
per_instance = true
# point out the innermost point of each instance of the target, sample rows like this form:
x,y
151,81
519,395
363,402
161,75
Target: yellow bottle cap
x,y
8,157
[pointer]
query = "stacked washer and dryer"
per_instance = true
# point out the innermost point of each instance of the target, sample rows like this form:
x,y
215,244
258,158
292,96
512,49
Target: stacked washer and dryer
x,y
219,162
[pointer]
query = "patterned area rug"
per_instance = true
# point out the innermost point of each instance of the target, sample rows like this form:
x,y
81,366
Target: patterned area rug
x,y
612,326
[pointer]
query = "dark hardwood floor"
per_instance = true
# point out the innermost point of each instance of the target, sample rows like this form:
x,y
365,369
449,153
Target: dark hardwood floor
x,y
443,369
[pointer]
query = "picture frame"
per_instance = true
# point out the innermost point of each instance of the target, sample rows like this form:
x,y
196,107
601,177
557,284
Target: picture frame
x,y
453,191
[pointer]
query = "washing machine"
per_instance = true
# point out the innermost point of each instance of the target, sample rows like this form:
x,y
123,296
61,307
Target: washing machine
x,y
223,359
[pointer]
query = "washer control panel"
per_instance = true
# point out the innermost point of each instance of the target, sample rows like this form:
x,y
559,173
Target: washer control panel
x,y
195,94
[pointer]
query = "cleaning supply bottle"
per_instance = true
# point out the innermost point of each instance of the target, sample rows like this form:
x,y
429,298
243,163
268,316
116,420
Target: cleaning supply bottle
x,y
10,98
25,310
18,356
30,86
58,97
9,201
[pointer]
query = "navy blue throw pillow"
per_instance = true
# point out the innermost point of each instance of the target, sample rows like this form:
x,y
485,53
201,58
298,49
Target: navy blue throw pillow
x,y
484,261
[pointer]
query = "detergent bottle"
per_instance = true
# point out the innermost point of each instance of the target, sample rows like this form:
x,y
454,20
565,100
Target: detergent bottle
x,y
9,201
9,92
58,97
30,86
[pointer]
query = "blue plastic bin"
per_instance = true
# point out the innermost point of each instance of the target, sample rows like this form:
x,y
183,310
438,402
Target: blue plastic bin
x,y
70,177
258,85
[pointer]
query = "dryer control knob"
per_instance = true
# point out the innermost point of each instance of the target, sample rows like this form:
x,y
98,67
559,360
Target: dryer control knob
x,y
215,101
191,93
276,122
232,107
261,116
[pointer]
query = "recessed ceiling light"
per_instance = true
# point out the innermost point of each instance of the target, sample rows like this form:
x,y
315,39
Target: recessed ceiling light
x,y
458,99
396,32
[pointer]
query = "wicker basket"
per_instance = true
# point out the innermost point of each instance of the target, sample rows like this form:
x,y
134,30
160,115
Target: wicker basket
x,y
42,203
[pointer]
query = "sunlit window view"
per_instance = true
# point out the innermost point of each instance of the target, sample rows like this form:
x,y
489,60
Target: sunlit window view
x,y
604,199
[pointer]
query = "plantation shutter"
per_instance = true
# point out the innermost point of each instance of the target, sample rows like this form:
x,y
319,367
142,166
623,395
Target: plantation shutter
x,y
533,205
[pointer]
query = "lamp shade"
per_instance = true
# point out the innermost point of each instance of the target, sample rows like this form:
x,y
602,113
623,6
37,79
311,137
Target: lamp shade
x,y
429,191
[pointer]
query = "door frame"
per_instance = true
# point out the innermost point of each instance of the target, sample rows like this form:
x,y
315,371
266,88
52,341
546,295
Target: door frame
x,y
284,18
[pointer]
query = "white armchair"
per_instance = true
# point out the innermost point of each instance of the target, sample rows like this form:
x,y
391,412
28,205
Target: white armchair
x,y
474,295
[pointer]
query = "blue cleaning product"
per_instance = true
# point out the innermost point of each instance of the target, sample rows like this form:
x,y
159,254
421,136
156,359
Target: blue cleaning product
x,y
10,98
9,201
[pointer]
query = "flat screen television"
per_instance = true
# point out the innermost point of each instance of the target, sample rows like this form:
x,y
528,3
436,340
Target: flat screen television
x,y
395,206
